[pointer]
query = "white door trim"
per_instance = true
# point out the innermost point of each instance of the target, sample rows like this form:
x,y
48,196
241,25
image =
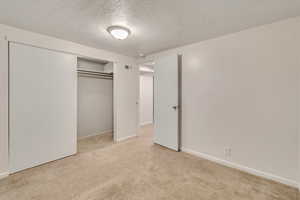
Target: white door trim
x,y
4,171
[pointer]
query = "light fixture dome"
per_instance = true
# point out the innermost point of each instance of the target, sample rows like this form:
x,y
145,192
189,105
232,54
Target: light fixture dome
x,y
119,32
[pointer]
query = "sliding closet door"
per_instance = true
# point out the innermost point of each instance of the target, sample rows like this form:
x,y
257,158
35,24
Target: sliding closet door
x,y
42,106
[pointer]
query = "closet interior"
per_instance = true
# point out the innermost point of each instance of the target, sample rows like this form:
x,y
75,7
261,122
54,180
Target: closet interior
x,y
95,98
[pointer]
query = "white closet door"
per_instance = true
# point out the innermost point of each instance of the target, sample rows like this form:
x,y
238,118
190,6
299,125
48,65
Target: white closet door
x,y
42,118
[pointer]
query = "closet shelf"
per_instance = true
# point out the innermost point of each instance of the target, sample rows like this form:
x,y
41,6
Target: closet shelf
x,y
95,74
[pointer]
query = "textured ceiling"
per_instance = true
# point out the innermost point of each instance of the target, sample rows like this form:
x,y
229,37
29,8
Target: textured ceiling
x,y
155,24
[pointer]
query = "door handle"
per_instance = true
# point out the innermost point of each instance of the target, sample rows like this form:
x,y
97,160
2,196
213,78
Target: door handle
x,y
175,107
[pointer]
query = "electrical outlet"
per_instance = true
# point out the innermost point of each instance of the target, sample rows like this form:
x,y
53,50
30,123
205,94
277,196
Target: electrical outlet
x,y
227,152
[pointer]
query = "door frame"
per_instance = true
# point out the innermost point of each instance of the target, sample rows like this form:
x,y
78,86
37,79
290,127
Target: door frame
x,y
152,75
179,56
4,103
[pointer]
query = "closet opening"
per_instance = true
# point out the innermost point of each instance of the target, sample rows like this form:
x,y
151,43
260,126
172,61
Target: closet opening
x,y
94,104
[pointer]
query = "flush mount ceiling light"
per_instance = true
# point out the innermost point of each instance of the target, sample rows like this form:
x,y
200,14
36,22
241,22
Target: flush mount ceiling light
x,y
142,55
119,32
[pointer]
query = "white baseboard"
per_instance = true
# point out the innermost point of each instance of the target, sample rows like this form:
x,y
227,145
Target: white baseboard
x,y
125,138
146,123
243,168
94,134
4,175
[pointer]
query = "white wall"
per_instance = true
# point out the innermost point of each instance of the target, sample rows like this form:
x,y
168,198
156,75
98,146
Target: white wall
x,y
146,99
90,65
241,91
109,67
95,106
126,82
39,40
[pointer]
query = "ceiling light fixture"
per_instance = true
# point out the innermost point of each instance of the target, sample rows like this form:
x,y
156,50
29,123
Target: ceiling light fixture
x,y
141,55
119,32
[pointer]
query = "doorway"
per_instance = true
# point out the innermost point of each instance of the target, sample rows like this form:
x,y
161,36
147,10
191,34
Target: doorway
x,y
146,98
94,104
166,99
146,95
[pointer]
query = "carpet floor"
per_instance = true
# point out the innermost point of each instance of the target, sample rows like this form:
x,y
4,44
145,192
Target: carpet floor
x,y
136,169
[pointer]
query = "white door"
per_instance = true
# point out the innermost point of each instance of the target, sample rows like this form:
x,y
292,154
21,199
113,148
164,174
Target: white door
x,y
166,102
126,97
42,106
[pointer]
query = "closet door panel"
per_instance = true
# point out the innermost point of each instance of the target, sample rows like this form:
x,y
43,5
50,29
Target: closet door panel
x,y
42,107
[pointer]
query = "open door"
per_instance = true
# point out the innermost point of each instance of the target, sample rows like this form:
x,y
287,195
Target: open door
x,y
166,101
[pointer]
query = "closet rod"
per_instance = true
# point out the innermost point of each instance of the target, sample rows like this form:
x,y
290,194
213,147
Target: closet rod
x,y
95,76
94,72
